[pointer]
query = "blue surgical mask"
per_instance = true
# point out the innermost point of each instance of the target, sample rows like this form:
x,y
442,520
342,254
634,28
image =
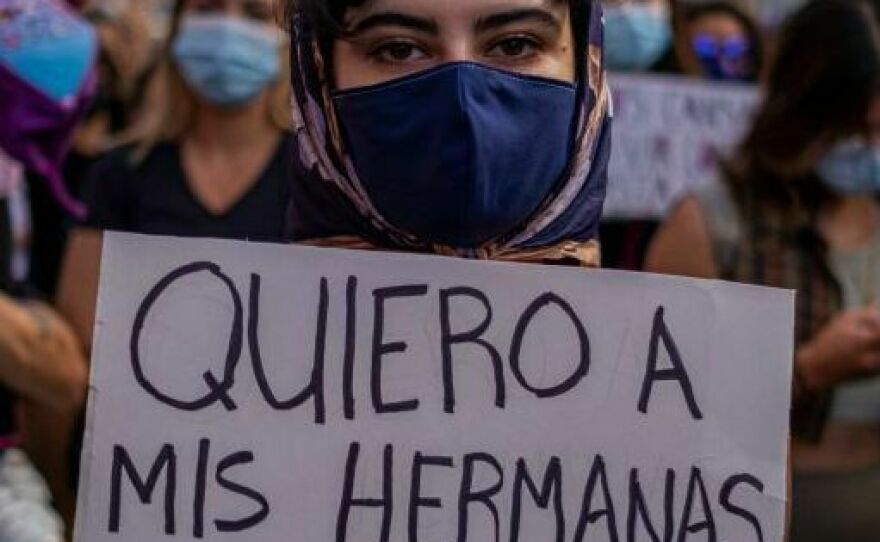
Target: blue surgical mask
x,y
227,60
461,154
852,168
636,35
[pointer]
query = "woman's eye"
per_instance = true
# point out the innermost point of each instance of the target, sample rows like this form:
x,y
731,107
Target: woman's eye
x,y
399,52
514,47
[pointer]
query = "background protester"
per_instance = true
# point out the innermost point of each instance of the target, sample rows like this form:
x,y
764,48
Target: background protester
x,y
637,36
710,39
799,210
637,33
715,39
389,157
209,160
47,57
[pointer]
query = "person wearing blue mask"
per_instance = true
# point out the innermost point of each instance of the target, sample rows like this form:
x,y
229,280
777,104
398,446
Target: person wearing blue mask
x,y
637,33
209,157
799,209
470,128
705,39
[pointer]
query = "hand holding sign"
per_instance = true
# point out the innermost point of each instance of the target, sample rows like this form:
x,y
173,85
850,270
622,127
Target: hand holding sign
x,y
847,348
247,392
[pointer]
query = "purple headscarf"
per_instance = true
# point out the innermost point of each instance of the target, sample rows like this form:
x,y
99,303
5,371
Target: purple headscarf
x,y
47,79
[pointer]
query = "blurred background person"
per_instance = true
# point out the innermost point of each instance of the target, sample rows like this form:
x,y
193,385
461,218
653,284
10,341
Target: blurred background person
x,y
47,57
715,40
798,209
125,55
637,33
208,159
708,39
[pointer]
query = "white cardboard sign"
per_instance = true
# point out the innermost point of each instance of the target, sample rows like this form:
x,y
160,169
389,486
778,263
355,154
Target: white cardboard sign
x,y
669,133
246,392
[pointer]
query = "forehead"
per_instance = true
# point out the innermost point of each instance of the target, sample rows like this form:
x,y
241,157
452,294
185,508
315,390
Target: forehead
x,y
452,9
718,22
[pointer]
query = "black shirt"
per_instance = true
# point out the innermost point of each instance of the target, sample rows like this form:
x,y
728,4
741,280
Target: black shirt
x,y
7,286
153,196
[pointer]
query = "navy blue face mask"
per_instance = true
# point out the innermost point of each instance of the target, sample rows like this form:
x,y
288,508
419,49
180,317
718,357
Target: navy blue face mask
x,y
461,154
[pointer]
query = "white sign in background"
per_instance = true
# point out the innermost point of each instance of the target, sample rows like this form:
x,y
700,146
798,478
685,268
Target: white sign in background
x,y
669,133
265,393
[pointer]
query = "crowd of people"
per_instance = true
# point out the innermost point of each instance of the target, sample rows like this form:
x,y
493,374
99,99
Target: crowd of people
x,y
341,122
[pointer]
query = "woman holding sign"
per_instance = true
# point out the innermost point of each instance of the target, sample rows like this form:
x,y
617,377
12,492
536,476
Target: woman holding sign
x,y
799,210
470,128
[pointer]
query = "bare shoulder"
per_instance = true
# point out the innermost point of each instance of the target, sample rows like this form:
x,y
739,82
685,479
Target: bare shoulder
x,y
683,245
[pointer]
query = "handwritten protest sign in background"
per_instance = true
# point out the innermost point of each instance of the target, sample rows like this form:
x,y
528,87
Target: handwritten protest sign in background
x,y
668,135
266,393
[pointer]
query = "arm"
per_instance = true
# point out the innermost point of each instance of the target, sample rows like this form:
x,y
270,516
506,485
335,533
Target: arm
x,y
42,363
108,196
40,357
78,286
683,245
48,434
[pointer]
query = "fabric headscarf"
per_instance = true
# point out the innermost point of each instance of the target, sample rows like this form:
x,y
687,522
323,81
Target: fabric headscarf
x,y
329,201
47,79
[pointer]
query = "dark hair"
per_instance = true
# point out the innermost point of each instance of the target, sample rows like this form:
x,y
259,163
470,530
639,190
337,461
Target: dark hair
x,y
819,88
326,17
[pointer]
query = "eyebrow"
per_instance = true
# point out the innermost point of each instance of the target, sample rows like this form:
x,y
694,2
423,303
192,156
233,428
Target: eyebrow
x,y
497,20
391,18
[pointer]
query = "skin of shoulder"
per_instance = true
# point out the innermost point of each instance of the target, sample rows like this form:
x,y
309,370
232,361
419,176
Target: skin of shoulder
x,y
683,244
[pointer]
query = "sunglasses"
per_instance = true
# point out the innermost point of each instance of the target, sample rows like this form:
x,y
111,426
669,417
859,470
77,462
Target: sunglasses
x,y
708,46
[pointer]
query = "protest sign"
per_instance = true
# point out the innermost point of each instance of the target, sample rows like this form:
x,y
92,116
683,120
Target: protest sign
x,y
266,393
669,133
